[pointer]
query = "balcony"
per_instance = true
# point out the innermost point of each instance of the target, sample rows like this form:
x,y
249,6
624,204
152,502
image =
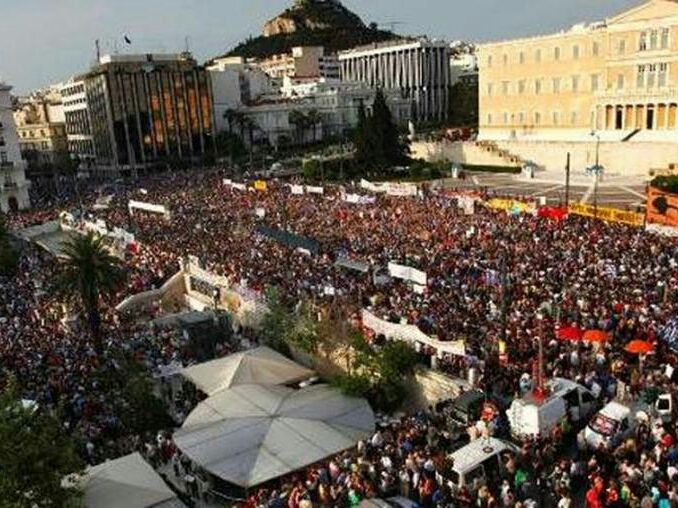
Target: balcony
x,y
7,165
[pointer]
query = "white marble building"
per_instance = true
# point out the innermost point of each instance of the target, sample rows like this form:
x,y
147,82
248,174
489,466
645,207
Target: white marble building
x,y
13,184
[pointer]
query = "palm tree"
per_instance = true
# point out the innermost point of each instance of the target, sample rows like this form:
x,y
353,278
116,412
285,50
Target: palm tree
x,y
298,119
89,270
313,118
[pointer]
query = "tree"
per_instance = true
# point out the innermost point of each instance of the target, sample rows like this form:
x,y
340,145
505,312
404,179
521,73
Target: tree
x,y
88,270
35,455
9,259
313,119
378,142
299,120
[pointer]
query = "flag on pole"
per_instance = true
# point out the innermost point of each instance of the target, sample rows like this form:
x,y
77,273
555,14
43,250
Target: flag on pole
x,y
127,39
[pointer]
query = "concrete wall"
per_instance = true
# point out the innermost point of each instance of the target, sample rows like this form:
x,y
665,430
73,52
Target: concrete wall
x,y
631,158
463,153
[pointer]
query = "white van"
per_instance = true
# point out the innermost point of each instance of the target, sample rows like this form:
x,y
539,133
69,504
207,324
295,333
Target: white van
x,y
664,407
480,460
609,426
530,416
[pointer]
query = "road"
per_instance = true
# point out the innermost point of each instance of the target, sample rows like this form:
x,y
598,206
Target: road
x,y
625,193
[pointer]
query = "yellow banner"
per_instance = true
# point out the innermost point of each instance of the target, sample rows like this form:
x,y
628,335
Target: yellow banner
x,y
260,185
511,205
608,214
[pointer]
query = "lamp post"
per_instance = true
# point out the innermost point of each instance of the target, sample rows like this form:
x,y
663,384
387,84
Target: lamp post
x,y
596,172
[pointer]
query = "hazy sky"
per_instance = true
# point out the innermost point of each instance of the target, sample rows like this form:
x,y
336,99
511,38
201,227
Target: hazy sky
x,y
46,41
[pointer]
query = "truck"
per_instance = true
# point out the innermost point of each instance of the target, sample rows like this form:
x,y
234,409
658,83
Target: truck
x,y
480,462
532,416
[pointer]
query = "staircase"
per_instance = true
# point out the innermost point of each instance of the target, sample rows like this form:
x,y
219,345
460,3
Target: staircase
x,y
509,158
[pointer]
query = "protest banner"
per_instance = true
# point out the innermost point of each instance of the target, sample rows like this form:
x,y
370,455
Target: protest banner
x,y
410,334
407,273
608,214
511,206
239,186
662,209
315,190
358,199
297,189
148,207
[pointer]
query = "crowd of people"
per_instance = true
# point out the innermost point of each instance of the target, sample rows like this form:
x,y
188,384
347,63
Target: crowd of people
x,y
492,276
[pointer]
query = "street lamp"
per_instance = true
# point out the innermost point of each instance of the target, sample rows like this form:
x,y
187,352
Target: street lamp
x,y
596,169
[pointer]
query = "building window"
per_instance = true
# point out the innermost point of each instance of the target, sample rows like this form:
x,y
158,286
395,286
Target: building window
x,y
573,118
653,39
489,61
556,118
521,86
651,74
537,55
505,59
620,82
575,84
556,85
640,77
642,44
505,87
537,118
594,82
506,118
665,38
489,89
521,58
662,76
575,52
521,118
556,54
621,47
595,49
537,87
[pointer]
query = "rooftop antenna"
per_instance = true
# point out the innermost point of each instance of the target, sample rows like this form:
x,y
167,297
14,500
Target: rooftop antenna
x,y
97,44
187,40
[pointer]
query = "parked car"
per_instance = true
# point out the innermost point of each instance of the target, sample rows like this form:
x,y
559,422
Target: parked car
x,y
480,462
610,426
665,407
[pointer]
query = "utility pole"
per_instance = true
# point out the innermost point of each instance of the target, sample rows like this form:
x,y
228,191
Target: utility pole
x,y
567,182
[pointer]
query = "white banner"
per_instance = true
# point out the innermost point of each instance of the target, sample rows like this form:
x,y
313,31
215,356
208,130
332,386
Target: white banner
x,y
661,229
358,199
239,186
260,212
390,188
314,190
149,207
407,273
466,203
227,182
401,190
411,334
297,189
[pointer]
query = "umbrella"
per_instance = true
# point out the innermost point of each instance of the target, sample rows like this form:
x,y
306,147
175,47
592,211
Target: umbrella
x,y
570,333
596,336
638,347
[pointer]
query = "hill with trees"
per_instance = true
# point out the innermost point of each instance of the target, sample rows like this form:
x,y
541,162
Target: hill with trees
x,y
312,23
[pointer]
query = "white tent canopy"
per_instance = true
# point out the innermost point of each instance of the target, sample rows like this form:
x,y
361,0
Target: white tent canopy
x,y
256,366
127,482
253,433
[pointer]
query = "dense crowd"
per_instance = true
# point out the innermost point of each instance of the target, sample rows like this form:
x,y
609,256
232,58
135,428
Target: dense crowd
x,y
547,274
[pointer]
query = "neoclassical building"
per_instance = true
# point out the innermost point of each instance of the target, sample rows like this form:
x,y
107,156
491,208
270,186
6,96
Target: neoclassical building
x,y
617,79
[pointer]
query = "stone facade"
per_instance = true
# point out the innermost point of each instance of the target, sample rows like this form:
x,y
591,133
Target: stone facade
x,y
618,78
13,183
